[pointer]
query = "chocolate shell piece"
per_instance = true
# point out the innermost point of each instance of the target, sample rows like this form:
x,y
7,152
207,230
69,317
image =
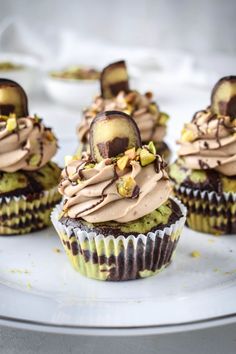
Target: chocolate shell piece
x,y
114,78
13,99
112,133
223,97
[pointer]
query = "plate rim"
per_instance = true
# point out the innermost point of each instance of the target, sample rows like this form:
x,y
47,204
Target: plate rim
x,y
46,327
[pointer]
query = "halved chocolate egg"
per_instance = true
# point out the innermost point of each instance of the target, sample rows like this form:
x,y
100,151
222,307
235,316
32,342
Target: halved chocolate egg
x,y
13,99
223,97
112,133
114,78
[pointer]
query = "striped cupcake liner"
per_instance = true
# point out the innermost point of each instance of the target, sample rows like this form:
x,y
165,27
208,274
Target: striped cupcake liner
x,y
27,213
209,212
119,258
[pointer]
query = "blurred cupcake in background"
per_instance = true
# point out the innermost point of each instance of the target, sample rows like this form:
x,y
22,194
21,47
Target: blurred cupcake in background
x,y
117,95
28,177
118,220
205,171
73,85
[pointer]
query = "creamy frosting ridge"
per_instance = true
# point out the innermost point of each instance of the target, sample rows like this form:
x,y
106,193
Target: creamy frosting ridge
x,y
25,144
92,193
150,121
209,142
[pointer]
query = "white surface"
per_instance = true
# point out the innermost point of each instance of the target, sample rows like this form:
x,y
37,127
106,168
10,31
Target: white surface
x,y
33,273
25,76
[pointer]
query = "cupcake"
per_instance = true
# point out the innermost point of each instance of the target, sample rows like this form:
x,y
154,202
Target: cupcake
x,y
205,171
116,95
28,179
118,220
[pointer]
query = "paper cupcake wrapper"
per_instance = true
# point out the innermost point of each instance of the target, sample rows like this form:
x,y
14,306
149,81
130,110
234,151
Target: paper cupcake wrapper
x,y
209,212
119,258
24,214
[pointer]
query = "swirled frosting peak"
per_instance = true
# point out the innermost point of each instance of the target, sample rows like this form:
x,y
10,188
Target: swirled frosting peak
x,y
25,143
150,121
209,142
121,189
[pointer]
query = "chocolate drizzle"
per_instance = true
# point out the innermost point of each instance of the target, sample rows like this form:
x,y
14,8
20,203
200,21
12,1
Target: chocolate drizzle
x,y
103,195
203,165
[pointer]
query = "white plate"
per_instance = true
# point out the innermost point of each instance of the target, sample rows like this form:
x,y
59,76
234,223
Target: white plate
x,y
40,290
72,93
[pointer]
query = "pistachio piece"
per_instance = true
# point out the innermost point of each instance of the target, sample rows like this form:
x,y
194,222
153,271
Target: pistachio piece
x,y
187,135
153,108
123,162
11,124
164,117
89,165
49,135
149,95
131,153
146,157
114,78
111,134
152,148
130,97
223,97
34,160
13,99
127,187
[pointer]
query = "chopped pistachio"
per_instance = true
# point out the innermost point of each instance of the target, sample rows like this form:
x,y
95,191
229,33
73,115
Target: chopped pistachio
x,y
11,124
131,153
195,254
130,97
153,108
152,148
146,157
89,165
34,160
49,135
163,118
187,135
37,118
123,162
126,186
149,95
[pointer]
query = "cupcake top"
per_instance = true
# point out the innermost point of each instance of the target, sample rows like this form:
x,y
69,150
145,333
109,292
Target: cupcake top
x,y
116,95
209,141
121,180
25,143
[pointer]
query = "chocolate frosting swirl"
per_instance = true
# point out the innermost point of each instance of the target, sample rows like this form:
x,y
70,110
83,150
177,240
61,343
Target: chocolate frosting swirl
x,y
141,107
209,142
29,146
92,193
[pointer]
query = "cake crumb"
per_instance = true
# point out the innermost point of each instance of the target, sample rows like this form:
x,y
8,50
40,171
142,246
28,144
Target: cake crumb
x,y
195,254
56,250
210,240
28,285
